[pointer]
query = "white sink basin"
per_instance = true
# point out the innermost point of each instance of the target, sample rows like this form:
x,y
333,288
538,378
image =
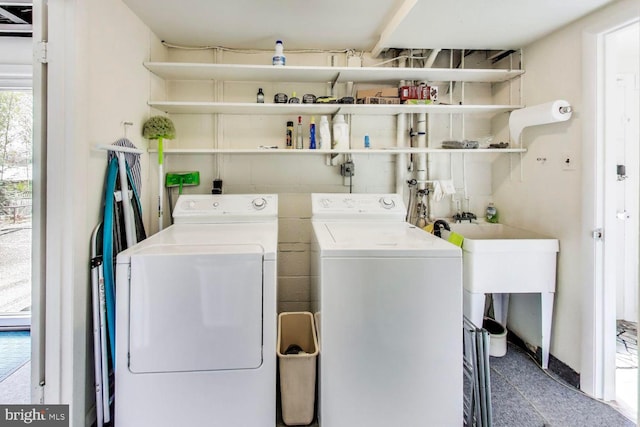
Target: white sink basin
x,y
498,258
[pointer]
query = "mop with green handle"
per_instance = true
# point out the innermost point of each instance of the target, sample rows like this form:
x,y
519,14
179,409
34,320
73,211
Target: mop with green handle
x,y
159,127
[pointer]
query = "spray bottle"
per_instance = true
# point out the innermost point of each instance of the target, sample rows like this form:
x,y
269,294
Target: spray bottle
x,y
299,142
312,134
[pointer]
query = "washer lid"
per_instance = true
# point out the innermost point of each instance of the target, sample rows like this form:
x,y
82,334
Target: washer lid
x,y
388,239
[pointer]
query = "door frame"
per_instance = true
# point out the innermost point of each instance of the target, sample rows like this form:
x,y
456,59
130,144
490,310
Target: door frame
x,y
598,305
39,199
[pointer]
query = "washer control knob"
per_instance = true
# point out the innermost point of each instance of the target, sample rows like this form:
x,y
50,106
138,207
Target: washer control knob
x,y
325,202
190,204
387,203
259,204
216,204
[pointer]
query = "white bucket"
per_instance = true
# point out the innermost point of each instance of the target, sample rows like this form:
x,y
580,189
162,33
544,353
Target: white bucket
x,y
497,337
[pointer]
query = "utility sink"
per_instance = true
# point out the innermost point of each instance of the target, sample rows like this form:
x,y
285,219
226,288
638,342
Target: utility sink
x,y
502,259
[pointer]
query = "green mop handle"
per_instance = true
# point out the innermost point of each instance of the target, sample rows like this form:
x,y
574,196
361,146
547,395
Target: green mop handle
x,y
160,151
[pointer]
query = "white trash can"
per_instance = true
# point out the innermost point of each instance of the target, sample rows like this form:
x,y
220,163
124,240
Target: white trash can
x,y
497,337
297,354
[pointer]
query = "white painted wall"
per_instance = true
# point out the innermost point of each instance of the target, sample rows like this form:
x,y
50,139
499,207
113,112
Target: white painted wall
x,y
549,199
96,81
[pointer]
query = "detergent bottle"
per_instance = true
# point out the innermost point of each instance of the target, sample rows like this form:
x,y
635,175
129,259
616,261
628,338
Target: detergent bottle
x,y
492,213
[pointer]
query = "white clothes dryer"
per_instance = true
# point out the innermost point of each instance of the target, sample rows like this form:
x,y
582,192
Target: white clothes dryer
x,y
196,317
387,297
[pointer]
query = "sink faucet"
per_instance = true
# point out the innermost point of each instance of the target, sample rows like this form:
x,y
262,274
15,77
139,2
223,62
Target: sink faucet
x,y
464,216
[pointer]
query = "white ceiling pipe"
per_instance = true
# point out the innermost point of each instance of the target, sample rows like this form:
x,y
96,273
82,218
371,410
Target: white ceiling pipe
x,y
432,58
401,142
421,167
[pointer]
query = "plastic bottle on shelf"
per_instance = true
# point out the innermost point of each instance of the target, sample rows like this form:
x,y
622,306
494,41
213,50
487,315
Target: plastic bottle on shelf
x,y
278,56
299,141
260,96
340,136
340,133
367,141
492,213
312,134
324,134
289,135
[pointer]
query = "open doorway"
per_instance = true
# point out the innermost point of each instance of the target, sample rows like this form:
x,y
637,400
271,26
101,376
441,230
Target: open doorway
x,y
622,191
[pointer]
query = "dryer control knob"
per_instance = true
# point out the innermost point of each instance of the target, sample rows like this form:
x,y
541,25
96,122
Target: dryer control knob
x,y
387,203
259,204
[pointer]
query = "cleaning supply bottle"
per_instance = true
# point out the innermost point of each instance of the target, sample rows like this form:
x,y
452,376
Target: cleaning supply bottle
x,y
367,141
492,213
324,134
299,142
340,133
312,134
289,135
260,96
278,56
340,136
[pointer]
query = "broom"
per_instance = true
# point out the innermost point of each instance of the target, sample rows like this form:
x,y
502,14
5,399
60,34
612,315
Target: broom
x,y
159,127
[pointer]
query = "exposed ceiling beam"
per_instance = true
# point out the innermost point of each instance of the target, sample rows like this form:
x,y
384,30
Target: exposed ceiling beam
x,y
16,28
10,16
391,26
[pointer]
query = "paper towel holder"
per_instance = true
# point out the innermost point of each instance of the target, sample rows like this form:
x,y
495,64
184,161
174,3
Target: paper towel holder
x,y
541,114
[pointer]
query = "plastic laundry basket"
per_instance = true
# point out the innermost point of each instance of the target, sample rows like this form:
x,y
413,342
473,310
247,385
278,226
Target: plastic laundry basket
x,y
297,353
497,337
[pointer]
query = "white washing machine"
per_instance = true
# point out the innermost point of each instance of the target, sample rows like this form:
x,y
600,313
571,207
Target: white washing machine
x,y
388,304
196,317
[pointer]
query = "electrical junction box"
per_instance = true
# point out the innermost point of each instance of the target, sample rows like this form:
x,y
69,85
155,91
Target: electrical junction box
x,y
348,169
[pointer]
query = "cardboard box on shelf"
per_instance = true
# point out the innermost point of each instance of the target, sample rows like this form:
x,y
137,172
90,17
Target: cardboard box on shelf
x,y
433,93
419,92
417,101
414,92
378,100
381,92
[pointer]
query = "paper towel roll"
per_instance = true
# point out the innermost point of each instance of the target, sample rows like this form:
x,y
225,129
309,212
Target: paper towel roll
x,y
551,112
